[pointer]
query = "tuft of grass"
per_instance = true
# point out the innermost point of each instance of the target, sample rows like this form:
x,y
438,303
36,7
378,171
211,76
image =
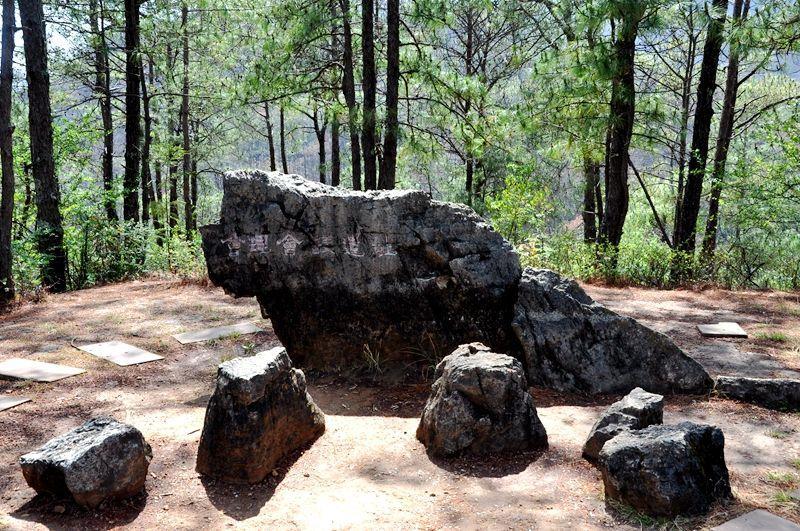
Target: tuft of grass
x,y
783,497
773,335
795,463
641,520
778,434
784,479
789,309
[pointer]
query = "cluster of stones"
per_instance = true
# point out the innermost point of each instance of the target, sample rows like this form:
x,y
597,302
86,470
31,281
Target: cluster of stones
x,y
349,277
657,469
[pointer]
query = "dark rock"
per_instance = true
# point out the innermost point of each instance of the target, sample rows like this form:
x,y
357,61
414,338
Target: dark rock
x,y
353,279
571,343
480,404
781,394
101,460
259,414
666,470
639,409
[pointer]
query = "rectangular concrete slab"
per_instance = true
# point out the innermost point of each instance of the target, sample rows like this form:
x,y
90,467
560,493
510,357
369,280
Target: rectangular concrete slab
x,y
216,333
120,353
759,520
36,370
7,402
724,329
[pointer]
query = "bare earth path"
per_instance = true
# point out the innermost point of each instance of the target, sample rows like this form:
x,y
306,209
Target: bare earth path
x,y
368,470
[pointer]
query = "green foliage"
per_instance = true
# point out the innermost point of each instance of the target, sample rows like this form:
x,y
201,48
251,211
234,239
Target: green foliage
x,y
521,208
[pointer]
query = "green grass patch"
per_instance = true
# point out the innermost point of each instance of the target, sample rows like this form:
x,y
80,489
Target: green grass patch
x,y
773,335
784,479
778,434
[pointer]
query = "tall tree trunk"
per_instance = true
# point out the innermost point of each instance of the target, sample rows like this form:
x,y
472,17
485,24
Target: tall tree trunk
x,y
726,119
102,88
133,126
591,172
690,204
686,97
147,178
270,140
388,175
188,207
369,88
50,232
320,126
6,154
336,157
620,130
284,162
349,93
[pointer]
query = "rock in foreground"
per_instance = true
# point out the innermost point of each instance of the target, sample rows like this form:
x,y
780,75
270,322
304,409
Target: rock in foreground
x,y
480,404
101,460
666,470
571,343
780,394
638,410
259,414
353,278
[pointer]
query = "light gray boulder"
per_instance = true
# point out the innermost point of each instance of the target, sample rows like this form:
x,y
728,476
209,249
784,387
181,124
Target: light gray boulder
x,y
351,278
666,470
782,394
638,409
260,413
479,404
571,343
101,460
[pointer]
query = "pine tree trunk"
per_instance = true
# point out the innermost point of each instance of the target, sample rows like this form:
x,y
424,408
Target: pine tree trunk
x,y
726,119
284,162
591,173
349,93
388,175
319,130
336,157
6,154
133,104
270,139
188,207
690,205
50,240
369,87
147,178
102,88
620,130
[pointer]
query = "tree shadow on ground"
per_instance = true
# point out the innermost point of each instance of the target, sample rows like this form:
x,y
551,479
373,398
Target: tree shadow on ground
x,y
58,512
488,466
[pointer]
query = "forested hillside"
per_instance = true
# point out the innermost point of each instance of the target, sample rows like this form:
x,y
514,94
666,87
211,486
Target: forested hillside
x,y
651,142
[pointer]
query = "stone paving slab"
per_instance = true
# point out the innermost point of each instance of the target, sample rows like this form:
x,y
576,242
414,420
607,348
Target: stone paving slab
x,y
723,329
216,333
36,370
759,520
7,402
120,353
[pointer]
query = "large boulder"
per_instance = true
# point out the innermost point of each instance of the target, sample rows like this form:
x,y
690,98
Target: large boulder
x,y
479,404
356,279
572,343
637,410
781,394
101,460
666,470
259,414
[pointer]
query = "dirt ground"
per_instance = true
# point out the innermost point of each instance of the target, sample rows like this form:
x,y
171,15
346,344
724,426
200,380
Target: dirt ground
x,y
368,470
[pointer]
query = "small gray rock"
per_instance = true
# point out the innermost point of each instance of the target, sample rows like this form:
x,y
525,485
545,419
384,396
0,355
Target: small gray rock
x,y
573,344
479,404
101,460
781,394
666,470
639,409
260,413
